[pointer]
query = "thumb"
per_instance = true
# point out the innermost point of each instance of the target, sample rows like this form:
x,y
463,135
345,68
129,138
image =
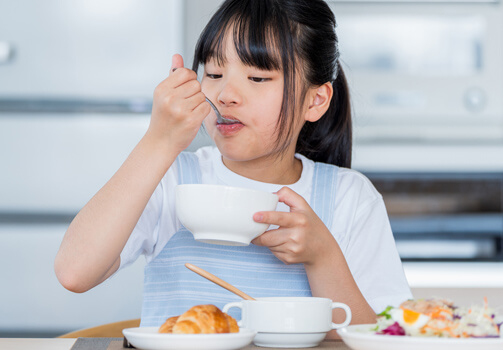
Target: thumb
x,y
176,62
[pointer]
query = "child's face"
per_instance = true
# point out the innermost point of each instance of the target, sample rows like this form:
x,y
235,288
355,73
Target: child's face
x,y
248,94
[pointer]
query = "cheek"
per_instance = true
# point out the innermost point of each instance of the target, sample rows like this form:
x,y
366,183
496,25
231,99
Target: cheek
x,y
207,86
268,128
209,126
269,110
204,87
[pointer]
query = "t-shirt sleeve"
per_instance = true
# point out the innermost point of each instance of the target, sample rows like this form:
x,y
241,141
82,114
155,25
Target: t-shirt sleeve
x,y
144,235
371,252
156,224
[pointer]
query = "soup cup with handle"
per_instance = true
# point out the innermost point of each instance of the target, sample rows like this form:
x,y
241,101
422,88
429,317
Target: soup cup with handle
x,y
289,322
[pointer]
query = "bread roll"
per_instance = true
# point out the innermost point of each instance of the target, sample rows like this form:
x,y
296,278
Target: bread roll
x,y
200,319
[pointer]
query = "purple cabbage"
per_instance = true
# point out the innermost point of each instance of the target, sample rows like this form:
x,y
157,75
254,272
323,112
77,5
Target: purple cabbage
x,y
394,329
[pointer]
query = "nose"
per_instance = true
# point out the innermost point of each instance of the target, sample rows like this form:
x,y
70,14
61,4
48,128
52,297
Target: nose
x,y
230,95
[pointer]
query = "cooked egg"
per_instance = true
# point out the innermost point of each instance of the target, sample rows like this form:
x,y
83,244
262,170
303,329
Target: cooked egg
x,y
409,318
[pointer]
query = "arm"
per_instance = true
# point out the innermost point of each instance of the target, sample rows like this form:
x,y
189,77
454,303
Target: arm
x,y
303,238
331,278
90,250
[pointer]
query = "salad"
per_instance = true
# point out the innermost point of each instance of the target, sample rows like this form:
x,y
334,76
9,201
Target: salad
x,y
440,318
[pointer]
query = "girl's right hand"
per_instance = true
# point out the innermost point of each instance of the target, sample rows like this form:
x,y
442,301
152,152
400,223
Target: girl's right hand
x,y
179,107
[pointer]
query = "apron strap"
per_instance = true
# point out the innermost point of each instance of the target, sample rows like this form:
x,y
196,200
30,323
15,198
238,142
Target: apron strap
x,y
324,190
189,171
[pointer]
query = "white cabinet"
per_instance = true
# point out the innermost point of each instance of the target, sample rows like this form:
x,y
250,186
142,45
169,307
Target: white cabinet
x,y
32,302
51,166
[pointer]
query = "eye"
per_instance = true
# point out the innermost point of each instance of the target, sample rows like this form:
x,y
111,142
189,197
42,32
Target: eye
x,y
213,76
259,80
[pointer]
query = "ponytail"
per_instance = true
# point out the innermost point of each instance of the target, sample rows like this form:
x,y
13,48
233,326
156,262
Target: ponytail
x,y
329,140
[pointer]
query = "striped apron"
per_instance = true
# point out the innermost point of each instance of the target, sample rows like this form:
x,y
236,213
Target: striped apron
x,y
171,289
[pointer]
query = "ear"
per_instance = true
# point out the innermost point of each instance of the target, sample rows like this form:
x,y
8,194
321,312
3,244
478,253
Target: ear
x,y
318,99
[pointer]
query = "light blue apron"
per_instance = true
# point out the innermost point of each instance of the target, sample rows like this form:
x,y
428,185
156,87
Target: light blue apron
x,y
171,289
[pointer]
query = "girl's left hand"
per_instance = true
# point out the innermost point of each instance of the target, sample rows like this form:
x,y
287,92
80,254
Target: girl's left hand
x,y
301,236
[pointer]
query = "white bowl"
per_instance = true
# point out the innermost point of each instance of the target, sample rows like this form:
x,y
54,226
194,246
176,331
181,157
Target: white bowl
x,y
222,214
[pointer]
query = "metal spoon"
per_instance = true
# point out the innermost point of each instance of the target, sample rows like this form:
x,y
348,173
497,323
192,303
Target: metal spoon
x,y
220,118
216,280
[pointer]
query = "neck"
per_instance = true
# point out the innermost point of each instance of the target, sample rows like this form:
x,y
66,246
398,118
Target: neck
x,y
284,170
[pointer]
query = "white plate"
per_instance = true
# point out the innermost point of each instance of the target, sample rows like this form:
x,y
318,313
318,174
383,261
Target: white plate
x,y
148,338
361,337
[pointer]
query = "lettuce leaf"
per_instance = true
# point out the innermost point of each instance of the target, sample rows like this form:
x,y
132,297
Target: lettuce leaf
x,y
386,313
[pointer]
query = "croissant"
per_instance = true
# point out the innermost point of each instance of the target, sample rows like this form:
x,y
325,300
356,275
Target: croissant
x,y
200,319
167,326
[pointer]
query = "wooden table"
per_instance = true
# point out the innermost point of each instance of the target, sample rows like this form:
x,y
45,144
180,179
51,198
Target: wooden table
x,y
66,344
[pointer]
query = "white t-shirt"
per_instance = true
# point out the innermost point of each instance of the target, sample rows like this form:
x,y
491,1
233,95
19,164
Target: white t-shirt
x,y
360,224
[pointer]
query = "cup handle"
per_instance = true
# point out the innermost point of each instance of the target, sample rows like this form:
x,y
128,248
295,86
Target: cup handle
x,y
237,304
348,315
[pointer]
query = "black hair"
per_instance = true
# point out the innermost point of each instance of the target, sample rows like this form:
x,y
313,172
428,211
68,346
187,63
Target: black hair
x,y
295,36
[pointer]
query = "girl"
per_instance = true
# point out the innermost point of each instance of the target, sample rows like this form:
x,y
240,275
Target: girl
x,y
272,67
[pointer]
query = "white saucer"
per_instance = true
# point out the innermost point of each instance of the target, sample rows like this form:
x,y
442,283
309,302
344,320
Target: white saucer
x,y
289,340
148,338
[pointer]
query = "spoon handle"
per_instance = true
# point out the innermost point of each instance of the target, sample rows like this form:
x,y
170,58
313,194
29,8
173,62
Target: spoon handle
x,y
217,112
218,281
221,119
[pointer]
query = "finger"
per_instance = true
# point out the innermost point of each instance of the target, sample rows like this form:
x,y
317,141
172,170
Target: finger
x,y
270,239
188,88
203,109
184,76
278,218
292,199
195,101
176,62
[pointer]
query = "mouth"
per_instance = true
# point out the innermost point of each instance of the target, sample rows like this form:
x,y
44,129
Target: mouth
x,y
230,127
229,120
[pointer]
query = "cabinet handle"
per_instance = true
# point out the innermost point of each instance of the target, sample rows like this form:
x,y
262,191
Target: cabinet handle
x,y
6,51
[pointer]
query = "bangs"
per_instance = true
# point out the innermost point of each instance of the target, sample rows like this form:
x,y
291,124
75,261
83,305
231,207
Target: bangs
x,y
264,37
257,37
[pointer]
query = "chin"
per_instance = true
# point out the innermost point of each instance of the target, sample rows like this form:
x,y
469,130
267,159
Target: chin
x,y
229,153
233,153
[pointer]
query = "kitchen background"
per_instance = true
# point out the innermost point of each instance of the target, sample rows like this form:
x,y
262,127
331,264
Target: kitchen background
x,y
76,83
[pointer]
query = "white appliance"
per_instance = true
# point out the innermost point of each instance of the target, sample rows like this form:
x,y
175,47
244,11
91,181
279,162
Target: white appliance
x,y
76,84
426,82
426,76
